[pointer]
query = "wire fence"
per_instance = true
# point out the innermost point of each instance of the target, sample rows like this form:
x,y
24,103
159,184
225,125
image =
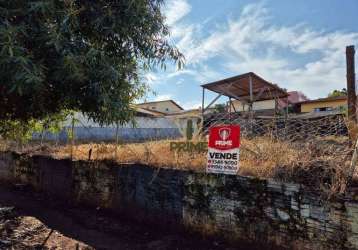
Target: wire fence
x,y
314,149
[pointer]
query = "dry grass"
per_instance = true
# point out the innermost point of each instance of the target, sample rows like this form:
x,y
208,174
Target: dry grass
x,y
319,163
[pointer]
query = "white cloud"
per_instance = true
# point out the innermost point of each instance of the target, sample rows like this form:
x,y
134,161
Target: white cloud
x,y
175,10
163,97
191,105
151,79
296,57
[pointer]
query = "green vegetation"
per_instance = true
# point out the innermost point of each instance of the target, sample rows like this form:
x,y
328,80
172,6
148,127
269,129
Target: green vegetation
x,y
21,130
336,93
84,56
219,108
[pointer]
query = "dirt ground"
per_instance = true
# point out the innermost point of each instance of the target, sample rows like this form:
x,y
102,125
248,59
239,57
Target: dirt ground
x,y
32,221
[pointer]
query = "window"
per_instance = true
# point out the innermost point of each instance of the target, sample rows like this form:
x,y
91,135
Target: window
x,y
153,107
322,109
166,109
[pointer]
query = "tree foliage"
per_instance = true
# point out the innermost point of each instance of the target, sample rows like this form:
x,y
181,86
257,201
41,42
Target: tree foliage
x,y
79,55
336,93
219,108
22,130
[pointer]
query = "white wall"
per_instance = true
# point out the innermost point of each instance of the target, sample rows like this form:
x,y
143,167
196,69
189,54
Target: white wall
x,y
260,105
141,122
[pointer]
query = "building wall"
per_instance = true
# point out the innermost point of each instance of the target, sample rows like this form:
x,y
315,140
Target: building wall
x,y
235,207
182,124
310,107
165,107
260,105
145,128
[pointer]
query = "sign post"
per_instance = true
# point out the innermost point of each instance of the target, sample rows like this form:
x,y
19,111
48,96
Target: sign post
x,y
224,149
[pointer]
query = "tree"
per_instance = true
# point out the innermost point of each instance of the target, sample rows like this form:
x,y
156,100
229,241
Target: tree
x,y
336,93
79,55
22,130
219,108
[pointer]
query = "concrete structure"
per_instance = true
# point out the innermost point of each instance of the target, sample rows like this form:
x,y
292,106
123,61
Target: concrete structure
x,y
269,105
166,106
247,89
239,106
324,104
150,125
238,208
183,117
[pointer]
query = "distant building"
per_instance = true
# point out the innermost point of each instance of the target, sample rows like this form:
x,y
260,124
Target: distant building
x,y
264,105
166,107
294,97
324,104
268,106
182,119
143,112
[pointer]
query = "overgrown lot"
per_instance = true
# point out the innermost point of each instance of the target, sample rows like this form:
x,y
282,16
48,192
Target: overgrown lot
x,y
320,163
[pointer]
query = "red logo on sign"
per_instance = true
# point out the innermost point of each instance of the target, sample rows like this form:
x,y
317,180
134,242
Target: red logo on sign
x,y
224,137
224,133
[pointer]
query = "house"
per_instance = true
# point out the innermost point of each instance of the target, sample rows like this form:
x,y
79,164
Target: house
x,y
268,106
324,104
183,118
294,97
166,106
263,105
143,112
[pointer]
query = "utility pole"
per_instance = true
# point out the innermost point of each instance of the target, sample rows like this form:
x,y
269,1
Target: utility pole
x,y
352,115
351,85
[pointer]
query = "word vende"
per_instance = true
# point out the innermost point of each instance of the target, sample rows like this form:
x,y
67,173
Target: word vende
x,y
224,149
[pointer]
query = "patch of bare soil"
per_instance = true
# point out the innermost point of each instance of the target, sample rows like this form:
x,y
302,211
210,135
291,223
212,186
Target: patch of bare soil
x,y
27,232
33,221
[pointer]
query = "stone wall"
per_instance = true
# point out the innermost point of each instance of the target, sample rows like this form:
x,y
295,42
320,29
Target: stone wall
x,y
235,207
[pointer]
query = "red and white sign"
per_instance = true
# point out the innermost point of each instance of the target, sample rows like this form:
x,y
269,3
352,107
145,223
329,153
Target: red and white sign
x,y
224,149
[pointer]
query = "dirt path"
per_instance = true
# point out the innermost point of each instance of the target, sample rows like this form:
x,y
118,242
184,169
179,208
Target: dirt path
x,y
30,221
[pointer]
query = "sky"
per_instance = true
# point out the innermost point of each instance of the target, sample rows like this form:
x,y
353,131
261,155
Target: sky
x,y
299,45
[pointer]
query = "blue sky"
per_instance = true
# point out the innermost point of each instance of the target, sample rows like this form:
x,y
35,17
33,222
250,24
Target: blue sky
x,y
299,45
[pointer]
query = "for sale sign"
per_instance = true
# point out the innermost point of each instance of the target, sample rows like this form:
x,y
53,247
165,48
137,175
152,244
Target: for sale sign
x,y
224,149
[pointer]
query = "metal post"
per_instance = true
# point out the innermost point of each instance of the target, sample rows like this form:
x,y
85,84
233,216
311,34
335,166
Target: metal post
x,y
251,107
203,102
212,102
230,110
251,96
